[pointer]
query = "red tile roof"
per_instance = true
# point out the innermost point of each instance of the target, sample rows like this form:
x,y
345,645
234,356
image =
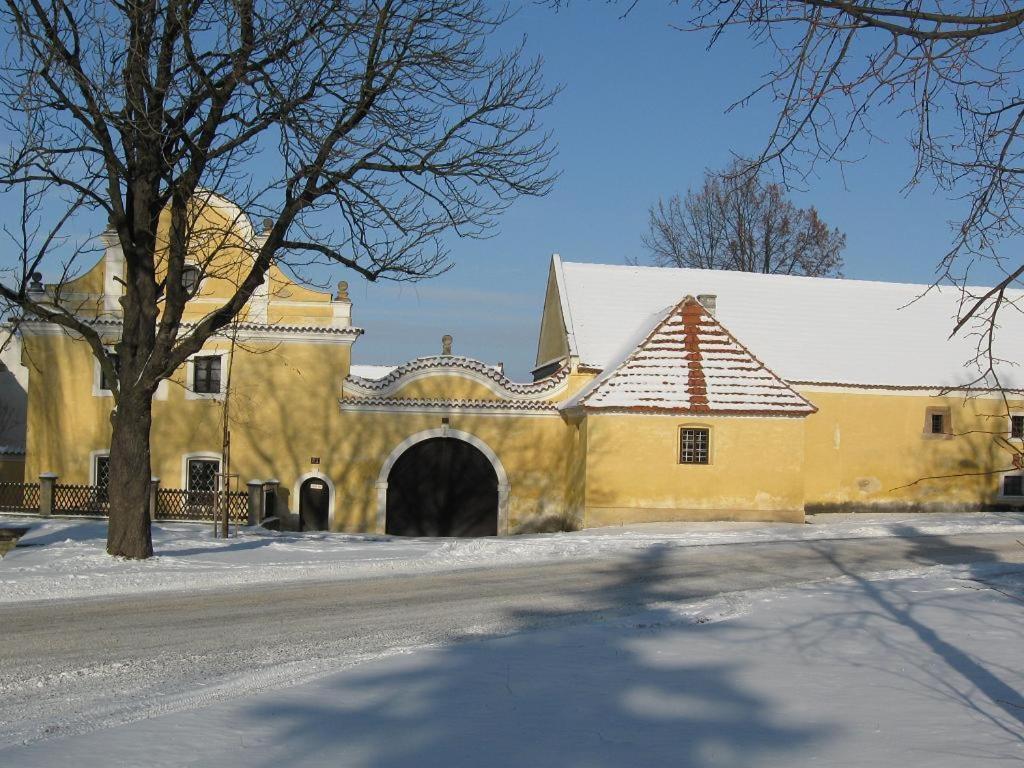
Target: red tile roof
x,y
689,363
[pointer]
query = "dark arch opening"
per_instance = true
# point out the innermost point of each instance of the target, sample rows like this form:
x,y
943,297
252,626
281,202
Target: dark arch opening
x,y
314,504
442,487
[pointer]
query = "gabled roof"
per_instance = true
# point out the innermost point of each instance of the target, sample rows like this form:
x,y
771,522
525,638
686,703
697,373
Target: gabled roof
x,y
689,363
807,329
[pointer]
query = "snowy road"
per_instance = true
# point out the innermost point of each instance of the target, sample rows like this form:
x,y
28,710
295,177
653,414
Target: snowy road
x,y
74,666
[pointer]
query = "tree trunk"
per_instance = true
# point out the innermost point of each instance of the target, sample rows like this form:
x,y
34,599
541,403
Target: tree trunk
x,y
128,533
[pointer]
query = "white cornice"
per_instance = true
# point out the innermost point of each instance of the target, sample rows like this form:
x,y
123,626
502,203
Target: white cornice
x,y
458,367
246,332
445,407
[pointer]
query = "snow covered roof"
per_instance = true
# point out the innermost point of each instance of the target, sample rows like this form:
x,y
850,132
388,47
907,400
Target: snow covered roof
x,y
689,363
371,372
808,330
491,376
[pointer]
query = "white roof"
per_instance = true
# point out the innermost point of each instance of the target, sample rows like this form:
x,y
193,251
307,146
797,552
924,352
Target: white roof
x,y
689,363
371,371
806,329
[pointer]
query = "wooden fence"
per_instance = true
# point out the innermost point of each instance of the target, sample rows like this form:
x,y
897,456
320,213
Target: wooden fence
x,y
92,501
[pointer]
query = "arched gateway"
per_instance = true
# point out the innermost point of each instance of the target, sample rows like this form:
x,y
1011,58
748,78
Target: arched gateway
x,y
442,483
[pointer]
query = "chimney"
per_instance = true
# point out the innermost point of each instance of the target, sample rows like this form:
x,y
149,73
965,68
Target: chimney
x,y
709,301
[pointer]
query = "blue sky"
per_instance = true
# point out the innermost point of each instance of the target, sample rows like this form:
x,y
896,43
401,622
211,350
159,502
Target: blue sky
x,y
642,115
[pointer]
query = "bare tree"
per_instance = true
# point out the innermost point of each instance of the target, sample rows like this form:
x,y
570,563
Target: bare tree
x,y
364,130
742,221
950,68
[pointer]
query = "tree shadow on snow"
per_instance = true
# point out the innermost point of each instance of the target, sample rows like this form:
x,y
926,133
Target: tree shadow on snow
x,y
581,695
905,620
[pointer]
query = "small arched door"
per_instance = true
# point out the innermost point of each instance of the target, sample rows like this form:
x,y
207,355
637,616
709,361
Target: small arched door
x,y
442,487
314,504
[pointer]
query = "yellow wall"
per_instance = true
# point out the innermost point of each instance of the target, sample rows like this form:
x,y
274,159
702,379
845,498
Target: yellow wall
x,y
535,452
283,404
868,448
633,473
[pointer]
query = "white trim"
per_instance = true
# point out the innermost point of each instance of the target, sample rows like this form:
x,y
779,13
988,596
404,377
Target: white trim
x,y
960,393
563,302
93,455
225,363
446,409
297,488
260,301
283,333
504,489
113,276
97,376
208,455
445,372
159,394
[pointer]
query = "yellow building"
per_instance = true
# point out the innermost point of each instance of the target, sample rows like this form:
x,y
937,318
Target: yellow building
x,y
659,394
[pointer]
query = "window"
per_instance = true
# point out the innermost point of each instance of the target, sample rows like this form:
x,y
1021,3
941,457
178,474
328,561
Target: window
x,y
201,481
101,476
105,382
190,279
206,374
202,475
1017,426
1013,485
938,423
694,444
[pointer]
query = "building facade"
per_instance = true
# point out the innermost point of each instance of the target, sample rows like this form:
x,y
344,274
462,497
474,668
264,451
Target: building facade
x,y
659,394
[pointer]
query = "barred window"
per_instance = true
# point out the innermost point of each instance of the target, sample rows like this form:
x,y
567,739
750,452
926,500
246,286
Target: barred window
x,y
1017,426
101,472
201,482
694,445
1013,485
206,374
938,422
106,383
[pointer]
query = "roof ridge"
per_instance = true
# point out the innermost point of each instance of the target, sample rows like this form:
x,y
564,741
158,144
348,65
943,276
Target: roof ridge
x,y
776,276
706,390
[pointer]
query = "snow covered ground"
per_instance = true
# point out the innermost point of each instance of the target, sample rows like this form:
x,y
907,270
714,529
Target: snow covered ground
x,y
62,558
900,669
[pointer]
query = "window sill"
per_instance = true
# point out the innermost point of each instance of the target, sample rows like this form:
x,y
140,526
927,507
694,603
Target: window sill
x,y
204,395
937,436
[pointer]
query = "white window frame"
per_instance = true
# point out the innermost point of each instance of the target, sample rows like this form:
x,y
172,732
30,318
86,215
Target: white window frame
x,y
204,456
679,445
190,373
93,455
97,377
199,283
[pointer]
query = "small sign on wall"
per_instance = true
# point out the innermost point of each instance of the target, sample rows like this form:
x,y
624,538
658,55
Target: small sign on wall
x,y
314,459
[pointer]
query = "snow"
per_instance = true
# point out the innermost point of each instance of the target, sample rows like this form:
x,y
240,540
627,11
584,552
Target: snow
x,y
371,371
805,329
64,558
688,362
916,668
